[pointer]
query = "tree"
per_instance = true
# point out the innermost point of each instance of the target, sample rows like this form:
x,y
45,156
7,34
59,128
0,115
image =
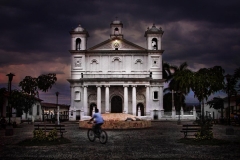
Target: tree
x,y
207,81
22,102
217,103
3,92
167,101
30,87
44,82
166,70
180,81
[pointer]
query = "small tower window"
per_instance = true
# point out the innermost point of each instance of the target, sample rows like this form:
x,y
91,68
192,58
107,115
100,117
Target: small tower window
x,y
154,44
78,44
116,31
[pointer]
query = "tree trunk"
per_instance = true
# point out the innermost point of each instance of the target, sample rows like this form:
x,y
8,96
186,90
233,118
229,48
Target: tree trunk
x,y
202,110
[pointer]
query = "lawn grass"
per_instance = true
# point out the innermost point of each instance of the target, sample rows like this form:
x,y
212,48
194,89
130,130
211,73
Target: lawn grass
x,y
212,142
33,142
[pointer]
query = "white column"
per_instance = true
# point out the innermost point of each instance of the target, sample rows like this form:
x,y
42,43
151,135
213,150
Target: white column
x,y
147,101
85,103
72,96
107,99
72,103
134,97
125,110
161,97
99,98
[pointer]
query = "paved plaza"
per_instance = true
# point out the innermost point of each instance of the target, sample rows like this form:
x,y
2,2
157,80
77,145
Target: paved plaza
x,y
157,142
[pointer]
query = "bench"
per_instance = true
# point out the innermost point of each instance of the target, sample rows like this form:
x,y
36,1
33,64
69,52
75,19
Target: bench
x,y
48,127
192,128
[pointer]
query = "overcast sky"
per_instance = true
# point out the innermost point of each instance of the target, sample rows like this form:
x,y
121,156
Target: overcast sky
x,y
35,39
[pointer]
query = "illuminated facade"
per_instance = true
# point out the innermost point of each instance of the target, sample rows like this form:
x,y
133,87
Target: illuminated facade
x,y
116,75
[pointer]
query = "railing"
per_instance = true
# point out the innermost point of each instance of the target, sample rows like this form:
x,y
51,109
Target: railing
x,y
143,75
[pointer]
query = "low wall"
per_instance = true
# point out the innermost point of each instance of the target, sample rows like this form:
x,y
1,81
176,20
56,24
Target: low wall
x,y
113,124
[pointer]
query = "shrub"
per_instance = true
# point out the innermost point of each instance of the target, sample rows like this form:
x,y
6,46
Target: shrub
x,y
39,135
52,135
207,135
205,132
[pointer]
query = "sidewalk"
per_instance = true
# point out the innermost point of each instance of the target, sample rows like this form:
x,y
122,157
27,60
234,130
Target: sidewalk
x,y
157,142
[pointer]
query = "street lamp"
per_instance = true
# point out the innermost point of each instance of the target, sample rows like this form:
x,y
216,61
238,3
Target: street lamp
x,y
9,127
10,78
228,78
229,130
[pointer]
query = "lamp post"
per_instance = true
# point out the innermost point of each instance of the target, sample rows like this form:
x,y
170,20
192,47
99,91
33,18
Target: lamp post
x,y
57,93
9,127
228,77
230,130
10,78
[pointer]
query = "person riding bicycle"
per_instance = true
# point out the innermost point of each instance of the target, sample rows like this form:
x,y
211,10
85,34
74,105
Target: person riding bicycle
x,y
98,120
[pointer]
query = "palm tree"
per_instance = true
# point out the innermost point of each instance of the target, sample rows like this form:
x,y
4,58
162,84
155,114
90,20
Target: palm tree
x,y
179,81
3,92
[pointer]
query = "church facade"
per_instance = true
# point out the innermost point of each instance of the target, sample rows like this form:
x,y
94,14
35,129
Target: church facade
x,y
116,76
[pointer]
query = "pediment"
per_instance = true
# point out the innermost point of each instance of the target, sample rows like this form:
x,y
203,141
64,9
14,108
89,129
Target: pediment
x,y
112,44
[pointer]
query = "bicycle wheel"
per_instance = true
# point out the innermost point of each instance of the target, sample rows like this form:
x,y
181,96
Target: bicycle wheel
x,y
91,135
103,137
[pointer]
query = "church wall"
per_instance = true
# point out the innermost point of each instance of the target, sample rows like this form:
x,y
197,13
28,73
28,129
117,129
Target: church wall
x,y
154,103
120,64
110,60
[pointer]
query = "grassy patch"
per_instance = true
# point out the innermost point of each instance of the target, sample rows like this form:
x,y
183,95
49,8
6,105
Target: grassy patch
x,y
192,141
33,142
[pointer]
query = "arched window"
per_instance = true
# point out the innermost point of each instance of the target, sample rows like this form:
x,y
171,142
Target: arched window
x,y
78,44
154,44
116,31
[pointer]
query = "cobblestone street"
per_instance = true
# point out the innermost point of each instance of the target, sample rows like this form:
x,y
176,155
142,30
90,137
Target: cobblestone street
x,y
157,142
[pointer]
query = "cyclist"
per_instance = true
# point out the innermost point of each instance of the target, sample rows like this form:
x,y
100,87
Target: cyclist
x,y
98,120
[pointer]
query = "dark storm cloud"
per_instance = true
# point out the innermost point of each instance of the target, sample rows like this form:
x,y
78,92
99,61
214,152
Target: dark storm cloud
x,y
201,33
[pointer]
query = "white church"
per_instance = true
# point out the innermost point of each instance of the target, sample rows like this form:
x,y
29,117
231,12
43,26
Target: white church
x,y
116,76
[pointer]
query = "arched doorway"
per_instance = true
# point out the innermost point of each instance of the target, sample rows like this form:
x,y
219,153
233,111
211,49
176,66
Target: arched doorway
x,y
141,108
91,108
116,104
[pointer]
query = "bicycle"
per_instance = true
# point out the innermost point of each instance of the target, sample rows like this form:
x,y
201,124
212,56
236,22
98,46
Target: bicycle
x,y
102,135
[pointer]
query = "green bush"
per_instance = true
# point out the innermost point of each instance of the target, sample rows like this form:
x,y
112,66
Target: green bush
x,y
203,136
205,132
40,135
52,135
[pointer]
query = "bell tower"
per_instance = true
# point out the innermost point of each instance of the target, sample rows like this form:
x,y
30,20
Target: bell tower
x,y
116,29
79,39
154,38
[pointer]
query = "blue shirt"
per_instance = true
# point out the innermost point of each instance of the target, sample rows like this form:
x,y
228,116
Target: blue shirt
x,y
98,118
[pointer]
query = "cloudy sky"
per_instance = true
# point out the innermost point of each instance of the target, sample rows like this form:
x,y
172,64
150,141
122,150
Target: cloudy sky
x,y
35,39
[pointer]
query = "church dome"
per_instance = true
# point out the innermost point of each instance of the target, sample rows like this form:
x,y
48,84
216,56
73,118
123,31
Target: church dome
x,y
116,22
79,28
154,30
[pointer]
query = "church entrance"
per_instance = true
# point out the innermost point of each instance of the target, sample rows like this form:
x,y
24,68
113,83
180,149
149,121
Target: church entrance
x,y
116,104
140,105
91,108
